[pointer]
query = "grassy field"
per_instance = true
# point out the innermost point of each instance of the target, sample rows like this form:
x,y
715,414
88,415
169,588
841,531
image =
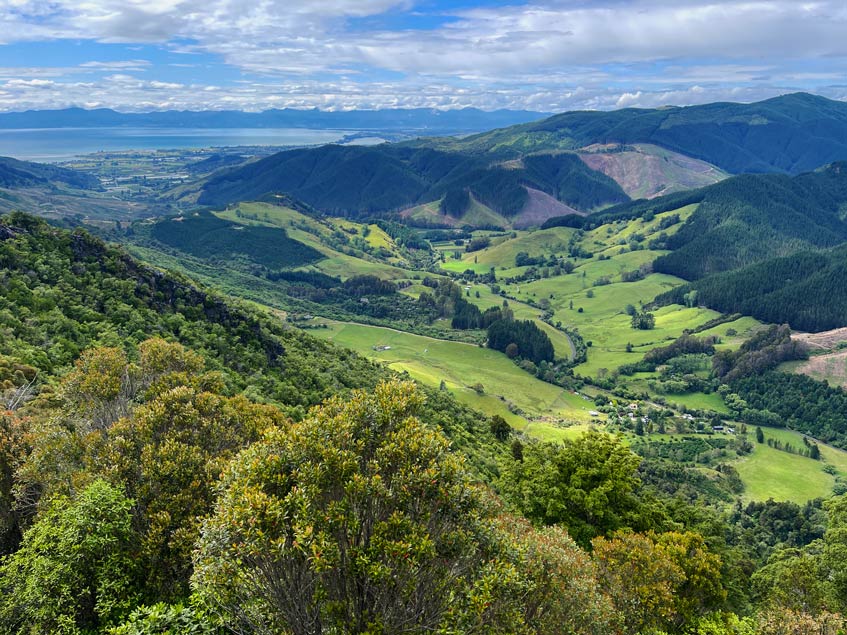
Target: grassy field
x,y
522,311
770,473
501,253
550,409
595,286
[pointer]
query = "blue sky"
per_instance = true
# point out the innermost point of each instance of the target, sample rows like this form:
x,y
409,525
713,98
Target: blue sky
x,y
544,55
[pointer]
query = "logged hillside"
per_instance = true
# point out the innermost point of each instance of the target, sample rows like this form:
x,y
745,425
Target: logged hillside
x,y
648,171
790,134
360,181
14,173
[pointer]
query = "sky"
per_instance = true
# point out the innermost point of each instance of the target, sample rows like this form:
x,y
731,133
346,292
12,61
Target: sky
x,y
542,55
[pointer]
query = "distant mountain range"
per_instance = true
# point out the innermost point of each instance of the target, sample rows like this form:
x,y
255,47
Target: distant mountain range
x,y
428,120
584,160
793,133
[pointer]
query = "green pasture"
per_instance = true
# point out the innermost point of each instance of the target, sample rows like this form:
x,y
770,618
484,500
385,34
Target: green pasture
x,y
543,242
770,473
461,366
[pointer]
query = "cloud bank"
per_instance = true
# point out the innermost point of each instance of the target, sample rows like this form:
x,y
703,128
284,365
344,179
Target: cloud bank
x,y
548,55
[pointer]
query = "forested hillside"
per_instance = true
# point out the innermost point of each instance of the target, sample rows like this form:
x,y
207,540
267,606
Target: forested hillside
x,y
359,181
748,219
204,235
805,290
14,173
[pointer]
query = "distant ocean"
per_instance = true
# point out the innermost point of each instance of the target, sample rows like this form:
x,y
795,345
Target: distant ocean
x,y
59,144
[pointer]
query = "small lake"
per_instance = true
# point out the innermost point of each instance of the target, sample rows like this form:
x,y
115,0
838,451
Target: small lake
x,y
59,144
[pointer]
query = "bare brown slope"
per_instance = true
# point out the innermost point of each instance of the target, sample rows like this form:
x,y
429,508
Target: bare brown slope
x,y
539,207
648,171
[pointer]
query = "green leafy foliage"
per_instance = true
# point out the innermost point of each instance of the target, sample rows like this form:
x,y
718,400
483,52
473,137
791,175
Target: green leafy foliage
x,y
359,520
74,570
662,581
589,485
168,619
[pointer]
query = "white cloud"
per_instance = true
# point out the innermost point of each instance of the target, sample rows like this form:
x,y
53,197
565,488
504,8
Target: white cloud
x,y
127,65
548,54
29,83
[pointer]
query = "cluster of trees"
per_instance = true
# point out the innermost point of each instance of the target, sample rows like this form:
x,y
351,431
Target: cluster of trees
x,y
643,320
521,338
205,235
477,243
680,375
765,350
403,235
517,338
684,345
523,259
708,450
577,221
798,402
